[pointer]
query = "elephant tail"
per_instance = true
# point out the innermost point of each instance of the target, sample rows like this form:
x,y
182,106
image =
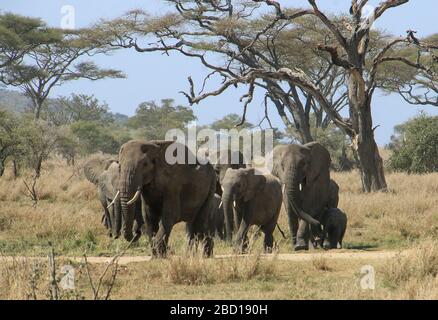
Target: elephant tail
x,y
281,231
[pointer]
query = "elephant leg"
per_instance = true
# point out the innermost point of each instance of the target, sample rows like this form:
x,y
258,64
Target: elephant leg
x,y
151,225
241,237
268,230
203,227
292,219
161,239
138,222
220,231
302,236
170,211
268,242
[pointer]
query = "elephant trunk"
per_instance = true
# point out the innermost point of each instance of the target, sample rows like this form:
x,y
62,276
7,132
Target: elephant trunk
x,y
117,223
292,192
127,188
227,205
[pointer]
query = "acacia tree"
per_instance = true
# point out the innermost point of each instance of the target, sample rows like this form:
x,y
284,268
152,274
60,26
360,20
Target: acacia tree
x,y
53,63
245,36
19,35
283,44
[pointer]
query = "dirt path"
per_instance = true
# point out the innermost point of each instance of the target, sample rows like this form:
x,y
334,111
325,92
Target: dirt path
x,y
298,257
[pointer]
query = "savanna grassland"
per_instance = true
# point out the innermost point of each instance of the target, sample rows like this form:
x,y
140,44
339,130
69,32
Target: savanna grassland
x,y
68,215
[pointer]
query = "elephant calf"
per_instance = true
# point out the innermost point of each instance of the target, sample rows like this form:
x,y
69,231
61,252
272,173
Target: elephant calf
x,y
257,199
334,224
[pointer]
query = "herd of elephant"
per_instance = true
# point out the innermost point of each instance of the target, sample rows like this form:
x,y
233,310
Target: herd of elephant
x,y
141,193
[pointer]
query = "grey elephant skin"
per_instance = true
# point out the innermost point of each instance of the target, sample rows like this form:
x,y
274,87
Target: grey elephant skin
x,y
334,223
317,236
103,171
258,198
173,192
96,171
305,172
217,222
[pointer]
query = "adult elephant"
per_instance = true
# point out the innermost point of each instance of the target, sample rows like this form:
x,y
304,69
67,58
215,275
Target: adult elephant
x,y
173,192
103,171
305,172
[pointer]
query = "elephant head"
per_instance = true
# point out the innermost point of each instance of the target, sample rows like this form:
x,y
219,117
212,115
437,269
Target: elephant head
x,y
240,186
222,161
96,165
299,169
138,163
108,184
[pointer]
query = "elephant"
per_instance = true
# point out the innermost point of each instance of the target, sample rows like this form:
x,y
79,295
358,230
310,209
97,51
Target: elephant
x,y
222,160
93,169
173,191
334,194
103,171
334,222
305,172
259,196
333,202
217,218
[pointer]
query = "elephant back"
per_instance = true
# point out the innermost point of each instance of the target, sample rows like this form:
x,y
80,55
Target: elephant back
x,y
96,165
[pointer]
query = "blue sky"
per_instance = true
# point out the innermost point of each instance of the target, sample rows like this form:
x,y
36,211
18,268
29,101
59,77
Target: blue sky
x,y
154,76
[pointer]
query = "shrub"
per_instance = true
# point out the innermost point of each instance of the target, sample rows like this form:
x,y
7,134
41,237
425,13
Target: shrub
x,y
414,146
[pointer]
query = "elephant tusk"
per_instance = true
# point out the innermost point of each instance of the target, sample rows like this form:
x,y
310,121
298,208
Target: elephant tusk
x,y
220,205
234,204
301,187
134,198
114,200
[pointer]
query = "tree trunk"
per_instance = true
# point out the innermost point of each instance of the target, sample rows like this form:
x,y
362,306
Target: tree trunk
x,y
364,144
15,168
38,164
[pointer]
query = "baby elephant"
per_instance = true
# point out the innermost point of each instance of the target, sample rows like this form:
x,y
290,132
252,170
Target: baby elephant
x,y
334,223
256,199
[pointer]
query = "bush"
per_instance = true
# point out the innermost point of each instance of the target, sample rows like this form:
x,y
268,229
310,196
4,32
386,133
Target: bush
x,y
414,146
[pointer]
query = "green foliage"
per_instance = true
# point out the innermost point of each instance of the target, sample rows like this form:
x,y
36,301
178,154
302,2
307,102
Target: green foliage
x,y
19,34
67,110
414,145
9,138
93,137
229,122
152,121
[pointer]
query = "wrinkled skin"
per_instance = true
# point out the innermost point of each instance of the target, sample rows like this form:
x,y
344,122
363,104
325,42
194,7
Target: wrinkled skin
x,y
173,193
334,223
103,171
259,197
304,170
222,161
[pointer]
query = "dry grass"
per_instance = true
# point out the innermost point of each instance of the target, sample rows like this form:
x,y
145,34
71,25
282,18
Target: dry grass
x,y
68,214
195,270
413,275
321,263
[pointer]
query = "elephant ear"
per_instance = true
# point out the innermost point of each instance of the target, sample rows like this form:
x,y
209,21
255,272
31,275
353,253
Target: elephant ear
x,y
319,162
96,165
255,183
